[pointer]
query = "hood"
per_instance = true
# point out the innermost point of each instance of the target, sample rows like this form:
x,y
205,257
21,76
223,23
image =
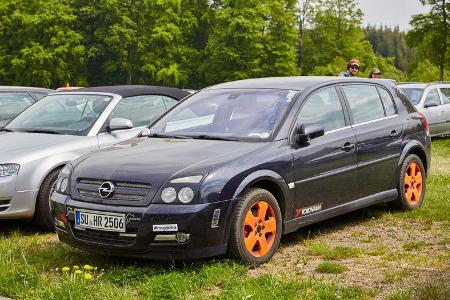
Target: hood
x,y
20,147
156,160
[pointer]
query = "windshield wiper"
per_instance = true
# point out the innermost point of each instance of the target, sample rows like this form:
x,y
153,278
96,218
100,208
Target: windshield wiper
x,y
211,137
43,131
158,135
6,129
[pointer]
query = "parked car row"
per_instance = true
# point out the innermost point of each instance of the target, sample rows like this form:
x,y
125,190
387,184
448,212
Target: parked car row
x,y
227,170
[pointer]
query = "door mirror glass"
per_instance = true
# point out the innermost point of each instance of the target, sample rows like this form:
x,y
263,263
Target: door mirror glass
x,y
119,124
309,131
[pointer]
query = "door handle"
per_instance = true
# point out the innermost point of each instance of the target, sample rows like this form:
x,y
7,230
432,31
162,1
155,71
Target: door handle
x,y
348,147
394,134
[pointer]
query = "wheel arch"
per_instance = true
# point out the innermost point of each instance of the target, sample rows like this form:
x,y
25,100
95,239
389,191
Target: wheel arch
x,y
272,182
414,147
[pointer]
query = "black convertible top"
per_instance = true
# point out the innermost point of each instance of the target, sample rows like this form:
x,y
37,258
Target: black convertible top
x,y
136,90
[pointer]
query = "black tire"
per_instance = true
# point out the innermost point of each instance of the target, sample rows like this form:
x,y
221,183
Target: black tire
x,y
42,217
239,228
410,194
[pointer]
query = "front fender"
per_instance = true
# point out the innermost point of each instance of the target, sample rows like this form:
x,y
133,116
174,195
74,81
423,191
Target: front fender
x,y
33,173
268,175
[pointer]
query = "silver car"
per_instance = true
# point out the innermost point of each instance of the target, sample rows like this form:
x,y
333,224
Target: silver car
x,y
60,128
433,100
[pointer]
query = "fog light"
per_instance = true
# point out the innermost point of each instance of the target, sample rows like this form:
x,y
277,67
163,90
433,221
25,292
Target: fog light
x,y
181,237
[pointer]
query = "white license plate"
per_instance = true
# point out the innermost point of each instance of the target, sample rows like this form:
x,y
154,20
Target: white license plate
x,y
100,220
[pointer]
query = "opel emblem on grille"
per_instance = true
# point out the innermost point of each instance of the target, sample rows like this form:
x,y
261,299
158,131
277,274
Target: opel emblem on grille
x,y
106,189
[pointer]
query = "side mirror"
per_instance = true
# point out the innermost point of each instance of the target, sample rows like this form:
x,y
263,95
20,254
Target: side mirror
x,y
308,131
432,104
118,124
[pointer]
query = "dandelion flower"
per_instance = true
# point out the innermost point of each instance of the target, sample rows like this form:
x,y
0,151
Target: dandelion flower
x,y
76,267
65,269
88,267
78,272
88,276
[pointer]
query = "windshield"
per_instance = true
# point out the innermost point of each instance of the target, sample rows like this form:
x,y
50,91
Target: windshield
x,y
414,95
226,114
12,104
61,114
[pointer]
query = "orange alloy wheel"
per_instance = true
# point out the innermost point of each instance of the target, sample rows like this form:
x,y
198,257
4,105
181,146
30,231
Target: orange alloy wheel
x,y
260,228
413,184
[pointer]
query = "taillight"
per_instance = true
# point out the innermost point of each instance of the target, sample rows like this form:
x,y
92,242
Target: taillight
x,y
425,123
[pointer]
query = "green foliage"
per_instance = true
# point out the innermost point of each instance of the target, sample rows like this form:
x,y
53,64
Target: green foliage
x,y
40,44
195,43
430,33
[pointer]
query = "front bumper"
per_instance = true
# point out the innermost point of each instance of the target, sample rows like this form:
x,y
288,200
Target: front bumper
x,y
206,238
15,204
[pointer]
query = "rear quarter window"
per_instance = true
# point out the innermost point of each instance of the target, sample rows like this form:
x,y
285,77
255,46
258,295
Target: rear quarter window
x,y
388,102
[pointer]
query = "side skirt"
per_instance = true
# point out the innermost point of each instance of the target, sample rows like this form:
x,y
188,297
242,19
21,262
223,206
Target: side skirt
x,y
294,224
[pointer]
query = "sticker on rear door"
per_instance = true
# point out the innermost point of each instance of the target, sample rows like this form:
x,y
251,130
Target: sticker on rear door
x,y
165,227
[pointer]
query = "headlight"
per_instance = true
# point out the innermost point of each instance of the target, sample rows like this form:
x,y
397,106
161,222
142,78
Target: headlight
x,y
169,194
186,195
9,169
62,183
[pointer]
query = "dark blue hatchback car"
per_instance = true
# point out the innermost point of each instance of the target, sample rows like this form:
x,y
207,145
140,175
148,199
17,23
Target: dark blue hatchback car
x,y
235,166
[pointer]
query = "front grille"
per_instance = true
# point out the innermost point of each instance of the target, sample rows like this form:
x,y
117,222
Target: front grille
x,y
4,205
104,237
125,191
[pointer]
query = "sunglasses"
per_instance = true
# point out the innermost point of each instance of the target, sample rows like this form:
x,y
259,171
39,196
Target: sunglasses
x,y
354,67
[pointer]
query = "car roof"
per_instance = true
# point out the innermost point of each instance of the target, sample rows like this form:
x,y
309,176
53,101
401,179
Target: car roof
x,y
291,83
25,88
135,90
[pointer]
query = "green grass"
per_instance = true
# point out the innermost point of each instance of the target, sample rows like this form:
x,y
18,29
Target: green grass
x,y
330,267
329,252
413,245
28,260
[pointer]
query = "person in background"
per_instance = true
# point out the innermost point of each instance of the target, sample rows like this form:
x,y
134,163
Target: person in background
x,y
352,69
375,73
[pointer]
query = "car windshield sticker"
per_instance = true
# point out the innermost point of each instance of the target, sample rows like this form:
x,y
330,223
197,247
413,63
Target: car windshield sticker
x,y
290,95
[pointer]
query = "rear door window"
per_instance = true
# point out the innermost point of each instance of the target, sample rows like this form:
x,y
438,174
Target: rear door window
x,y
445,92
324,108
433,98
12,104
365,103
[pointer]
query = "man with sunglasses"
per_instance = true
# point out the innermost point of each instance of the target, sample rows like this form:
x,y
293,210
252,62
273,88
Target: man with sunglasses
x,y
352,69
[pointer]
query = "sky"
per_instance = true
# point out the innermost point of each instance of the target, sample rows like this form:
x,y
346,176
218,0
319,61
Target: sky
x,y
390,12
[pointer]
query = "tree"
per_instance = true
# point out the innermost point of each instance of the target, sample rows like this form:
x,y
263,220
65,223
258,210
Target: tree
x,y
430,34
40,44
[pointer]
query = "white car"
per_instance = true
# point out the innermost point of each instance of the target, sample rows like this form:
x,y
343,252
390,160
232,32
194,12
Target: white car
x,y
433,100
